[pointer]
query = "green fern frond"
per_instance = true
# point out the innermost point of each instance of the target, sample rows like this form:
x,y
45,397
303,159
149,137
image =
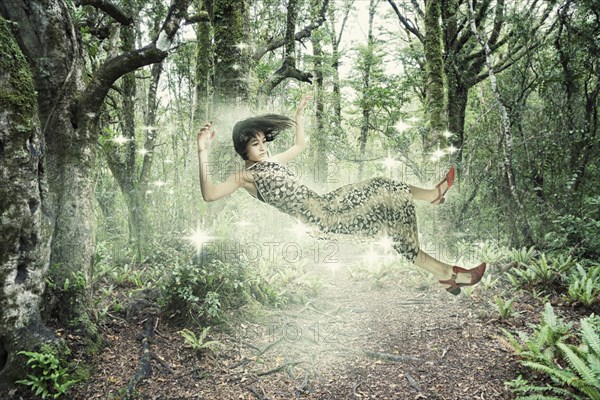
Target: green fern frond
x,y
590,337
538,397
580,366
563,376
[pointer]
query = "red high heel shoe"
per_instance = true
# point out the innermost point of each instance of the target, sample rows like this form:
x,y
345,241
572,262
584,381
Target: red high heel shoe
x,y
440,199
476,274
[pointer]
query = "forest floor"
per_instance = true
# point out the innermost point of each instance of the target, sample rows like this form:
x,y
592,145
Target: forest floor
x,y
408,339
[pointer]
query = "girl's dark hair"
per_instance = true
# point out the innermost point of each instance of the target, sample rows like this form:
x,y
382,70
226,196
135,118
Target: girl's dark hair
x,y
270,125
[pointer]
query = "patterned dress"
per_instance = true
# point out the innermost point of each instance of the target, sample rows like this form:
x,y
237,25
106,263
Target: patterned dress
x,y
369,208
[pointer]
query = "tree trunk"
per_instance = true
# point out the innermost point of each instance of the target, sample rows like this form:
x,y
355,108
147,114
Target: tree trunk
x,y
25,230
335,55
321,166
366,84
507,141
68,115
232,57
204,71
458,95
434,66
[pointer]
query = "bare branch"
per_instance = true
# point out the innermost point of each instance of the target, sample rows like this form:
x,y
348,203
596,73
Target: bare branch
x,y
110,9
304,33
93,96
407,23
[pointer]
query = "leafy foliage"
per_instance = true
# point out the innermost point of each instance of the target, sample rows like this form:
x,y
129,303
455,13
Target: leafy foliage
x,y
574,370
583,285
198,342
49,378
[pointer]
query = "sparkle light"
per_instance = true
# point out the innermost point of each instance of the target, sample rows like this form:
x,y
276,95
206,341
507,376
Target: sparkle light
x,y
149,128
199,237
402,126
300,229
242,46
436,155
235,66
451,149
370,257
143,152
386,242
120,139
389,162
447,134
159,183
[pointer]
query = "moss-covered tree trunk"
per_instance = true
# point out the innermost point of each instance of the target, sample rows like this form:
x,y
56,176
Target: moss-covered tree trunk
x,y
204,69
434,66
232,58
25,229
68,114
321,166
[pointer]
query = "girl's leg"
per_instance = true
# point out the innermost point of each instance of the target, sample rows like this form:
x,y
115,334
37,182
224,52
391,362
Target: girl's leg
x,y
427,194
440,270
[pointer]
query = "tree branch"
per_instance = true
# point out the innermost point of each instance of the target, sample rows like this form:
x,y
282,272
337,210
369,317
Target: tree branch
x,y
110,9
93,96
304,33
407,23
202,16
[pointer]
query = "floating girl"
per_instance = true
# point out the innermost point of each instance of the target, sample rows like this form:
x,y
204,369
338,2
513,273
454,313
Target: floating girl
x,y
368,208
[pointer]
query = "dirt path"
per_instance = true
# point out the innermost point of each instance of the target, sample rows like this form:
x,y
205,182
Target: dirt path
x,y
406,340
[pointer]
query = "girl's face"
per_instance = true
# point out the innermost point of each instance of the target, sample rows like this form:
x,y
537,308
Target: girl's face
x,y
256,149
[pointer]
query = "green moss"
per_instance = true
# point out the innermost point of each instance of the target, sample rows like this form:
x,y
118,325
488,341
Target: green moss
x,y
19,95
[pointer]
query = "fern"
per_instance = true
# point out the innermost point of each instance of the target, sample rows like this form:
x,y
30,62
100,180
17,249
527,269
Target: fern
x,y
546,353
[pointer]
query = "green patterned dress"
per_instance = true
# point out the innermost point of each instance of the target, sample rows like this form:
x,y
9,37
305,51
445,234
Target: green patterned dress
x,y
369,208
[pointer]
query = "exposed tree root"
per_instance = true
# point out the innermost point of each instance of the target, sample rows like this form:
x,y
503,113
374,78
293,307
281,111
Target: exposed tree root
x,y
145,367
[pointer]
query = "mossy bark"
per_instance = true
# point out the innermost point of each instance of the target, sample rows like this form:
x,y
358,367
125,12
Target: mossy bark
x,y
232,57
25,229
434,65
204,69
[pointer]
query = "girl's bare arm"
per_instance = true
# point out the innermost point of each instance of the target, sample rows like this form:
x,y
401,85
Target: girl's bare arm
x,y
299,143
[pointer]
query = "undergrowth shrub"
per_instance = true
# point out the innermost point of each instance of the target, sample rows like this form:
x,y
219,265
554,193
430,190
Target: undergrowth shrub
x,y
569,363
218,280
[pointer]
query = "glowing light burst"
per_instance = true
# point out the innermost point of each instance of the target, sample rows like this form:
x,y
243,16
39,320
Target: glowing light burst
x,y
300,229
159,183
402,126
120,139
370,257
198,238
236,66
143,152
447,134
389,162
436,155
242,46
386,243
451,149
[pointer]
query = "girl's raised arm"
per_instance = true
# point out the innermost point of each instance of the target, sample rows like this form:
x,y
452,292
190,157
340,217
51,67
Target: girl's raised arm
x,y
299,142
210,191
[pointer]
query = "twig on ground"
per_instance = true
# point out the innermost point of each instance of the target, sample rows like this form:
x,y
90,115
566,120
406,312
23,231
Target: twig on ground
x,y
412,382
278,369
162,362
389,357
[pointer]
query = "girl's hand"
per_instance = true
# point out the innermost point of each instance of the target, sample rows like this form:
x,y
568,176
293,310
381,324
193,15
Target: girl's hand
x,y
205,136
303,101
